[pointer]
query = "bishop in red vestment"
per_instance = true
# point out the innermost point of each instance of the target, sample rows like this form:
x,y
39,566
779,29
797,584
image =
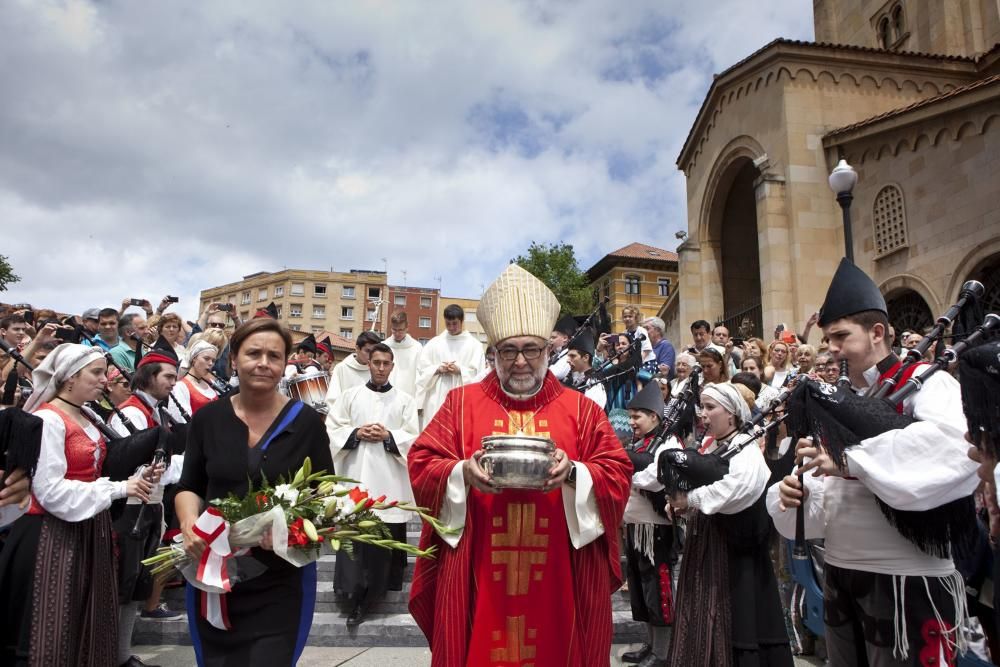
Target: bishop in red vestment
x,y
528,577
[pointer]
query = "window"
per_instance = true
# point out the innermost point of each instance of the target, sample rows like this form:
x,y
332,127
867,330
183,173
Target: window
x,y
347,312
245,315
425,323
245,298
632,285
884,36
425,302
319,312
317,328
663,286
372,315
374,293
279,311
347,333
262,294
470,317
279,290
298,289
347,292
295,310
319,291
897,22
889,217
399,300
295,327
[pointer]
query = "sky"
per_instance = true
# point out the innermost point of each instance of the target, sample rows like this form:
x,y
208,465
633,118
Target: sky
x,y
168,147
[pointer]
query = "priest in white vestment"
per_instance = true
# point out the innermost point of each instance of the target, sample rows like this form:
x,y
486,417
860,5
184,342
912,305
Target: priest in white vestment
x,y
406,355
451,359
371,428
352,371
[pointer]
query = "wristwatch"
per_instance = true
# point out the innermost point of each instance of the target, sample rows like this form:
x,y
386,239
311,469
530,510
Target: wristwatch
x,y
571,476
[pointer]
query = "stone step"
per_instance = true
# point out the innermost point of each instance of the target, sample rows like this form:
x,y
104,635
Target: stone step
x,y
330,629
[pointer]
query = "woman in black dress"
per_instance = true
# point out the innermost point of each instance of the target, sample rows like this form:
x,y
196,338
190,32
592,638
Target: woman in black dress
x,y
233,443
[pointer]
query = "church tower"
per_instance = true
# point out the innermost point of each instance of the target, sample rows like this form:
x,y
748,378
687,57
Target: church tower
x,y
942,27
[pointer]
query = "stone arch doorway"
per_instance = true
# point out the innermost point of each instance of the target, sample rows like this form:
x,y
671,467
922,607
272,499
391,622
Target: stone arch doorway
x,y
908,312
988,273
735,225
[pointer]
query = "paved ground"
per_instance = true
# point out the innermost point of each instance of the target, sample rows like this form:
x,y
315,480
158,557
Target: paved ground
x,y
314,656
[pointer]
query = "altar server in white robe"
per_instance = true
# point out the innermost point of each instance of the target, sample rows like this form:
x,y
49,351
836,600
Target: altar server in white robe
x,y
371,429
352,371
451,359
406,353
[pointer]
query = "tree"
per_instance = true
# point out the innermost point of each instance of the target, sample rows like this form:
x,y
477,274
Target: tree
x,y
556,266
7,275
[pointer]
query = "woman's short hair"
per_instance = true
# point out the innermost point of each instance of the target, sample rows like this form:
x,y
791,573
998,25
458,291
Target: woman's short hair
x,y
256,326
805,347
169,318
755,359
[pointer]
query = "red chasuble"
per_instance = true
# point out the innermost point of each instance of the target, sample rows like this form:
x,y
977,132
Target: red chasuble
x,y
515,591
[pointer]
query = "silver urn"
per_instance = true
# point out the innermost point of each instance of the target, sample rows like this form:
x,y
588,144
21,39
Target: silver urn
x,y
518,461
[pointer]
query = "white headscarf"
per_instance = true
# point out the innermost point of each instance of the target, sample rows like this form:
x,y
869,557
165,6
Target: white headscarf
x,y
730,399
62,363
200,347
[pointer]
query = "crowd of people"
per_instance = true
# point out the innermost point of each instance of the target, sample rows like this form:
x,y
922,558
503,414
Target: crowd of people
x,y
676,475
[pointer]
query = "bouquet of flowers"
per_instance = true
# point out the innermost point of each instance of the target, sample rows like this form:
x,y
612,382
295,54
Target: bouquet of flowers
x,y
295,518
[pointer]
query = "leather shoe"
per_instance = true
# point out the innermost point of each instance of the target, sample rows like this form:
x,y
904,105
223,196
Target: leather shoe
x,y
357,615
135,661
638,655
652,661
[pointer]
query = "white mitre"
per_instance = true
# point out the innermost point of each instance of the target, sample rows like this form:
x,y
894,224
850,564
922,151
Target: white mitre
x,y
517,304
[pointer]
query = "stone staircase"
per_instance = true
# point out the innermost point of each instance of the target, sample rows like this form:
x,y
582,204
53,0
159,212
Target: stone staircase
x,y
388,624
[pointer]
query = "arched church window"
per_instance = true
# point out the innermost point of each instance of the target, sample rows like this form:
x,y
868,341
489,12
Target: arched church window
x,y
897,23
889,216
884,36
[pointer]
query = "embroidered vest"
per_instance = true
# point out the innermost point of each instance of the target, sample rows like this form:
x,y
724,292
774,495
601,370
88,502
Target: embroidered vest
x,y
134,401
84,457
198,399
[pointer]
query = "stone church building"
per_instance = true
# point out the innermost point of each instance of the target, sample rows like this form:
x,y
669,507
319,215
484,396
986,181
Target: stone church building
x,y
908,92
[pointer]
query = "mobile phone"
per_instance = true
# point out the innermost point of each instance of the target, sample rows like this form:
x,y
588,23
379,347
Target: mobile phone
x,y
135,302
228,307
172,299
67,335
29,317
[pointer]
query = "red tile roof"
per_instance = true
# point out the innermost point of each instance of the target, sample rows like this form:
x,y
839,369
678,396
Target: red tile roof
x,y
955,92
643,251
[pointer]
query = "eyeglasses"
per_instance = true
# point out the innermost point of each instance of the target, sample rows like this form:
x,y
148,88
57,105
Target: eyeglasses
x,y
216,325
529,353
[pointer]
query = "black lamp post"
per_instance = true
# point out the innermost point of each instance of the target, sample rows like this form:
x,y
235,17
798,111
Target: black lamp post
x,y
843,178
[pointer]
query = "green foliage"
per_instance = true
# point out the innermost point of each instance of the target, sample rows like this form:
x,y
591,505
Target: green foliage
x,y
7,275
556,266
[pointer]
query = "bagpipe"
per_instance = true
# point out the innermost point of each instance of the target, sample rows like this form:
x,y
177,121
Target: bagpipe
x,y
598,316
839,419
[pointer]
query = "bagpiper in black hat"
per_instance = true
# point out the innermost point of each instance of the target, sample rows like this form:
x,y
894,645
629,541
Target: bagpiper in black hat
x,y
270,310
162,352
308,344
979,374
566,325
649,399
584,343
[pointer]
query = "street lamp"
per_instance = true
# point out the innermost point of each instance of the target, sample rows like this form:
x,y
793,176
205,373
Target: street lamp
x,y
843,178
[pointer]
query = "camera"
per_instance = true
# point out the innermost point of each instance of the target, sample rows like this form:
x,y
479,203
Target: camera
x,y
227,307
172,299
135,302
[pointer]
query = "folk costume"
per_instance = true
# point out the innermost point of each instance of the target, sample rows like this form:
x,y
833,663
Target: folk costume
x,y
728,608
649,536
889,600
406,356
57,565
269,615
380,466
559,364
528,576
191,392
465,351
587,382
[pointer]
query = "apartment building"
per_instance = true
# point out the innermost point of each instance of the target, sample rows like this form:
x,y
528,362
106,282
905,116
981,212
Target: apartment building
x,y
421,307
342,302
637,275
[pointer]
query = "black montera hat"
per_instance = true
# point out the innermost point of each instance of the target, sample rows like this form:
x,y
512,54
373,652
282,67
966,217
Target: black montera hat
x,y
851,291
584,343
649,399
566,325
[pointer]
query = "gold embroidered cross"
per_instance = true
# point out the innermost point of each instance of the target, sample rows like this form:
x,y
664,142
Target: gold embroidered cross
x,y
515,647
520,536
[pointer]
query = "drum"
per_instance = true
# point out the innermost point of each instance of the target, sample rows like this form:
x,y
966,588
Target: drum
x,y
310,389
518,461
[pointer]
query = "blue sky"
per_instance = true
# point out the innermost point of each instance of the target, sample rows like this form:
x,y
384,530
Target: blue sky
x,y
154,148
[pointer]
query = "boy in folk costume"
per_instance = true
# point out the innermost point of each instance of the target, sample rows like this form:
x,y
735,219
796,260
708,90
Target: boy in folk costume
x,y
890,506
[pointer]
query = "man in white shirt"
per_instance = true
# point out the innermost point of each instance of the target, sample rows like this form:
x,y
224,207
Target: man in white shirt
x,y
451,359
893,599
352,371
371,428
406,354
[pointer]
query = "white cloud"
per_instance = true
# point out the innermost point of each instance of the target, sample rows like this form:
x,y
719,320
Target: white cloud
x,y
173,146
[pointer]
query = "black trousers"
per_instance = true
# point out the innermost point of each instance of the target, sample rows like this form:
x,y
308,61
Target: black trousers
x,y
650,589
366,575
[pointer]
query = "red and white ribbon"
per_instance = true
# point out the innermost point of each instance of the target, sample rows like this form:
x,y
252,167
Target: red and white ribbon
x,y
212,568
